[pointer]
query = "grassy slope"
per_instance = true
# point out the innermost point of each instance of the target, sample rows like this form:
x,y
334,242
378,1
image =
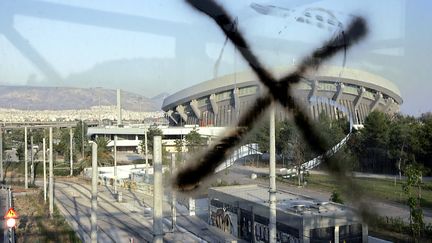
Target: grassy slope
x,y
35,225
382,189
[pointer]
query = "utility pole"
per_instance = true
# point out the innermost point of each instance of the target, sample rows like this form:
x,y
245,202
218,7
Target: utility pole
x,y
272,172
157,190
51,174
173,195
93,215
71,152
25,159
44,169
146,154
32,175
115,164
119,109
1,155
82,139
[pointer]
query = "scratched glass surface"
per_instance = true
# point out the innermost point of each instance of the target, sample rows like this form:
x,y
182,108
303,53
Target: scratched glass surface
x,y
133,44
180,70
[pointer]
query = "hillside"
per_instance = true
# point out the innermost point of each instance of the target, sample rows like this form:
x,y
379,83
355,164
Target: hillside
x,y
64,98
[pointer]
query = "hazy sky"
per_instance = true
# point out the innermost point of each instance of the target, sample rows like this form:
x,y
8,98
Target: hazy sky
x,y
150,47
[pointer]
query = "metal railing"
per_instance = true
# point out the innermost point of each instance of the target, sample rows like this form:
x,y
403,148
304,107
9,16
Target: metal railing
x,y
9,233
243,151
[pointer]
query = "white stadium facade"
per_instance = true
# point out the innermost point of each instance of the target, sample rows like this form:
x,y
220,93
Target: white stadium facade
x,y
337,92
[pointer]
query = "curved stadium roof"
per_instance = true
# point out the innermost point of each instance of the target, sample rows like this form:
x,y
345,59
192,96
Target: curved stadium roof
x,y
247,78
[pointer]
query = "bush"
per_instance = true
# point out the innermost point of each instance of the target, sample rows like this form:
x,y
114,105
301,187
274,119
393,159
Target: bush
x,y
336,197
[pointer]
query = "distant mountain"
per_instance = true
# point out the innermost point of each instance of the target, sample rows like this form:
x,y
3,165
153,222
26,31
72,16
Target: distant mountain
x,y
158,99
63,98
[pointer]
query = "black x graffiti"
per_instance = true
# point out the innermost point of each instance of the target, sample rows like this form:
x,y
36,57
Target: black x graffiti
x,y
279,91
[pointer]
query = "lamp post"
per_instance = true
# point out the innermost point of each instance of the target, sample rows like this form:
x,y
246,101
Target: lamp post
x,y
51,174
93,215
146,154
157,191
82,139
44,168
272,173
1,155
115,164
31,159
71,151
25,159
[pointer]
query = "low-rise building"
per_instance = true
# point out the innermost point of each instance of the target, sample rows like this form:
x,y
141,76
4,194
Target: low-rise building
x,y
243,211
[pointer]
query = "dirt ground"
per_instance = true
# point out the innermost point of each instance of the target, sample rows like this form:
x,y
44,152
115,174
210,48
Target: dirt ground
x,y
34,223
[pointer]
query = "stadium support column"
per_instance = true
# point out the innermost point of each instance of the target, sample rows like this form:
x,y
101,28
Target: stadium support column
x,y
170,113
236,104
378,99
359,97
272,172
181,111
25,159
314,90
389,105
157,190
213,103
214,107
93,215
340,88
51,174
194,106
119,111
357,117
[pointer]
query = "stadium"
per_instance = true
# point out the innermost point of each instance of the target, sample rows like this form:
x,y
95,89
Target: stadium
x,y
335,91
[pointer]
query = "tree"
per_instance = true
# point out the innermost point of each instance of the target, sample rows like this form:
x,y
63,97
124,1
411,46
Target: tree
x,y
291,145
178,145
38,135
425,140
333,131
179,149
20,151
195,141
104,155
373,144
151,133
63,146
404,143
336,197
412,187
262,137
14,138
283,137
80,137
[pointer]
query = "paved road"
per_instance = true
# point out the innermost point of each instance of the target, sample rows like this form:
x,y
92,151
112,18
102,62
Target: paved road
x,y
263,170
